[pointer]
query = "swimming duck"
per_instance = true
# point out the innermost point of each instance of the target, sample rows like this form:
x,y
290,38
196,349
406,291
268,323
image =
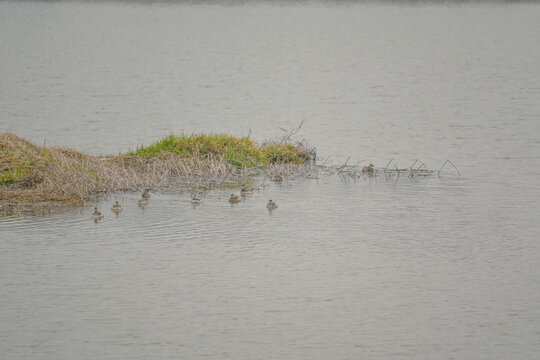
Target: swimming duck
x,y
116,207
235,199
246,191
97,215
278,178
271,205
368,169
146,194
196,199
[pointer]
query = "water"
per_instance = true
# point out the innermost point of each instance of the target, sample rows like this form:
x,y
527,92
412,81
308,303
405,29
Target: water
x,y
435,268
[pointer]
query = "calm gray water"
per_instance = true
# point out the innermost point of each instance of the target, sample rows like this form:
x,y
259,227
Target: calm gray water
x,y
436,268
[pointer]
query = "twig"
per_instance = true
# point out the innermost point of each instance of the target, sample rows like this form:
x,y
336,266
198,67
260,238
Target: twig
x,y
448,161
419,167
344,165
388,164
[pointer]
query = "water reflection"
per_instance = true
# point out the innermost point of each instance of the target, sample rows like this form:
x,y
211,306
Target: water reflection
x,y
143,202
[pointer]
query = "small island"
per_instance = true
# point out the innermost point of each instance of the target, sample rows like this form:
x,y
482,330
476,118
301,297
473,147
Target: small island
x,y
34,174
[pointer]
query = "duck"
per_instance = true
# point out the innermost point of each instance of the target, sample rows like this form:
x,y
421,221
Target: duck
x,y
278,178
368,169
116,207
146,194
195,199
235,199
97,215
246,191
271,205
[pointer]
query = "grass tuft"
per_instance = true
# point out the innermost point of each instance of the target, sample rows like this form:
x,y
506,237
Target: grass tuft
x,y
242,152
285,154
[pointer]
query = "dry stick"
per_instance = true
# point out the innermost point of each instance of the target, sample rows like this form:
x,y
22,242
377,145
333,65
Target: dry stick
x,y
388,164
294,131
291,133
224,178
398,173
411,167
419,167
344,165
325,161
448,161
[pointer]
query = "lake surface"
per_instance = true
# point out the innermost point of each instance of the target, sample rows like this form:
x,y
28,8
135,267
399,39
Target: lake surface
x,y
427,268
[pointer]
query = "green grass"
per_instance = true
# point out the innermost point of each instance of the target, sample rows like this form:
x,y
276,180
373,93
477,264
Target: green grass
x,y
237,151
285,154
13,168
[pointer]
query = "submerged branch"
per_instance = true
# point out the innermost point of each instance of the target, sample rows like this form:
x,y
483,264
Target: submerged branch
x,y
448,161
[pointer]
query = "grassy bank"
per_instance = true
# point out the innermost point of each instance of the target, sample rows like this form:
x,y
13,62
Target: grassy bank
x,y
31,173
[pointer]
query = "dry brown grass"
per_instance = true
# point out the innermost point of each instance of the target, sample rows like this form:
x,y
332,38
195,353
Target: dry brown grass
x,y
42,174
